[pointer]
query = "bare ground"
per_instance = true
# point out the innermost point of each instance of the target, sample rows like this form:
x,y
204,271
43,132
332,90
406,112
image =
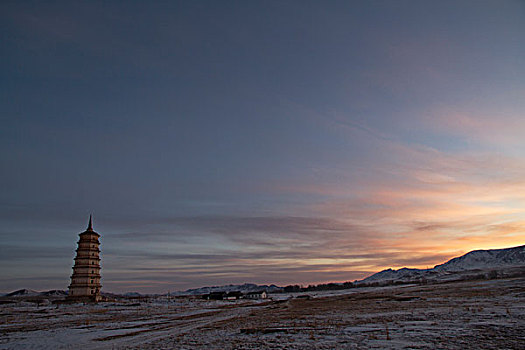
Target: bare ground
x,y
461,315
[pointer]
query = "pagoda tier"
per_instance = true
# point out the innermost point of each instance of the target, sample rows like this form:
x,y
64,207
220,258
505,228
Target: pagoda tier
x,y
85,280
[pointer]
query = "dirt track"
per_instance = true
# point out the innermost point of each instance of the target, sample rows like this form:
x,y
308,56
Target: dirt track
x,y
475,315
478,315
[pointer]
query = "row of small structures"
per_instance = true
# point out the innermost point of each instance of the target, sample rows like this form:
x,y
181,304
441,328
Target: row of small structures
x,y
235,295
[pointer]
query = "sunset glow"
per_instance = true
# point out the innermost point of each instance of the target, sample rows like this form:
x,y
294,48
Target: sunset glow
x,y
264,142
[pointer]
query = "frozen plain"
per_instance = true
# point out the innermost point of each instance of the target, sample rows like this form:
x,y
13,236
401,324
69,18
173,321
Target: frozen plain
x,y
458,315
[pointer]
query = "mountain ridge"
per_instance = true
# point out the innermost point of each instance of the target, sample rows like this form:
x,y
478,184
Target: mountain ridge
x,y
489,259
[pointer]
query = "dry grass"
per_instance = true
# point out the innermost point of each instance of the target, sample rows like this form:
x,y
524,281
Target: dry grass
x,y
453,316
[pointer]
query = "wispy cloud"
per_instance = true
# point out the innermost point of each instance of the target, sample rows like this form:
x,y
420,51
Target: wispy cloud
x,y
214,155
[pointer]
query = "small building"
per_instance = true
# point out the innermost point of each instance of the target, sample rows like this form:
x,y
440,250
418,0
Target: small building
x,y
233,295
215,296
257,295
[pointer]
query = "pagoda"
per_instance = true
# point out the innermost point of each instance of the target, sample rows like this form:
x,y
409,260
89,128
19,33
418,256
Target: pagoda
x,y
85,280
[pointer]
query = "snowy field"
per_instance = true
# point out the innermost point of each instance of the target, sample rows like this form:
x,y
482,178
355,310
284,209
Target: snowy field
x,y
461,315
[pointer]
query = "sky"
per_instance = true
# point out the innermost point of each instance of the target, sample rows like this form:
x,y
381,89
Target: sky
x,y
285,142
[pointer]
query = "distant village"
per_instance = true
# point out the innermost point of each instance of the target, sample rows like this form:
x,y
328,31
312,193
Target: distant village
x,y
235,295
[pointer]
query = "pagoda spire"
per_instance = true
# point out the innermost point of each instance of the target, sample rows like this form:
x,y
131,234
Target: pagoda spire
x,y
90,225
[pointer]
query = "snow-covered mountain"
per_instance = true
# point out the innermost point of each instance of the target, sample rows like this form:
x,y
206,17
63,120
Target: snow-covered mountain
x,y
245,288
484,260
23,293
54,293
34,293
395,275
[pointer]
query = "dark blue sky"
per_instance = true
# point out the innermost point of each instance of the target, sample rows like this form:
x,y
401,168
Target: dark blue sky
x,y
257,141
